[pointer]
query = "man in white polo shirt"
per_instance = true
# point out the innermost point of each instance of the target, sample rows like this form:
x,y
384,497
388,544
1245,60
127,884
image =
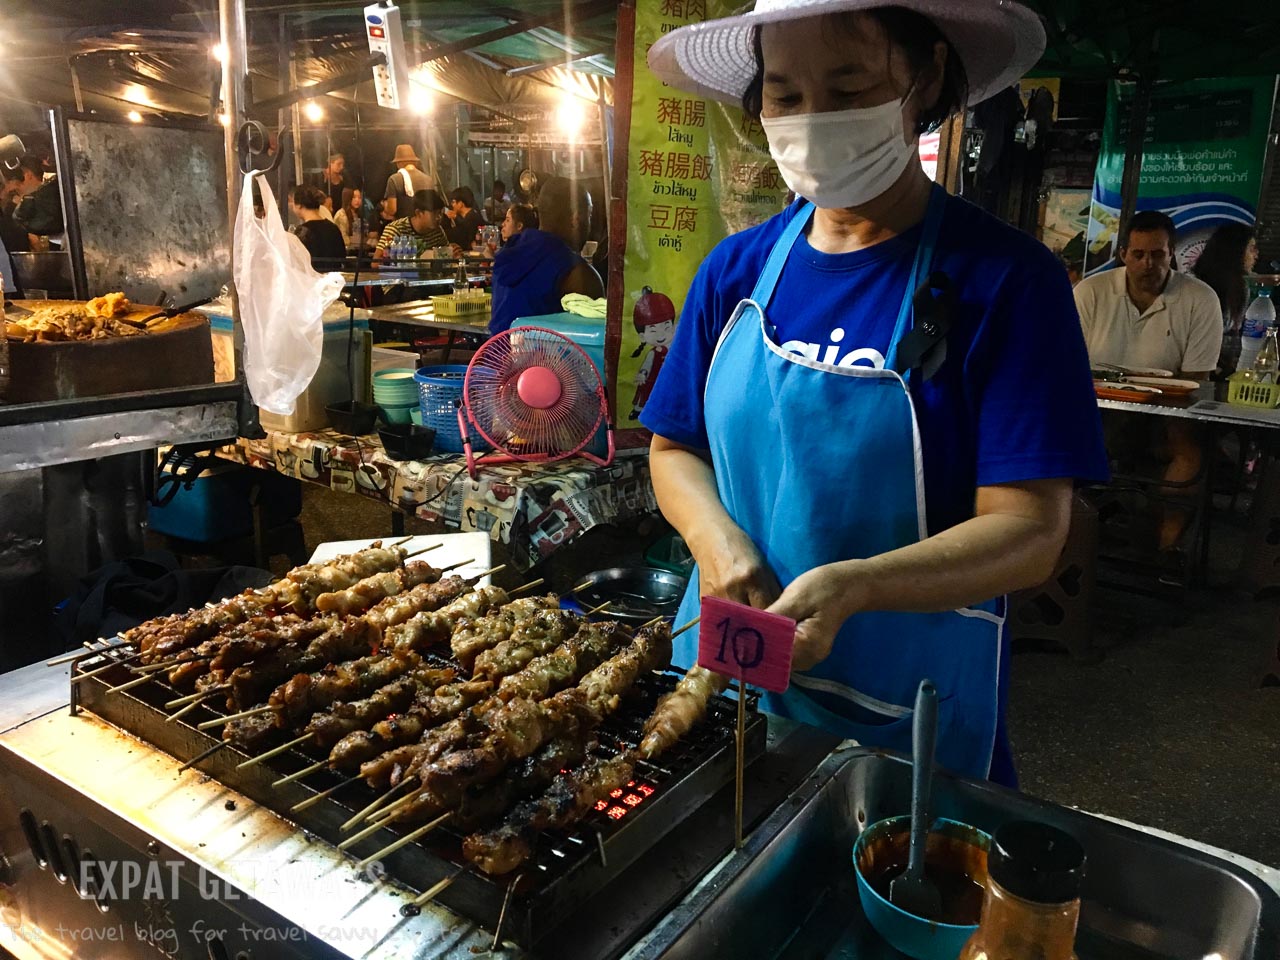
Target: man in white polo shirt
x,y
1147,315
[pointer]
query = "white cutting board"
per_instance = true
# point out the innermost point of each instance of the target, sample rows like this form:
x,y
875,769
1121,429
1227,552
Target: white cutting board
x,y
473,547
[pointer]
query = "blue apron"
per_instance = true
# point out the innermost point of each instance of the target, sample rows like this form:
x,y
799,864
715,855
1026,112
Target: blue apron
x,y
819,463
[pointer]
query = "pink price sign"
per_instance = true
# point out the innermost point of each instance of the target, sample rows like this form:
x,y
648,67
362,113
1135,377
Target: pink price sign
x,y
747,644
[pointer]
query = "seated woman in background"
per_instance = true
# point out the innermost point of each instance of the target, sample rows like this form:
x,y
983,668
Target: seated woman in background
x,y
537,267
318,234
519,217
1228,256
350,220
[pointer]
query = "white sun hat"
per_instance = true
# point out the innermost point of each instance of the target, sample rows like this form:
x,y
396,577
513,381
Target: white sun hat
x,y
997,40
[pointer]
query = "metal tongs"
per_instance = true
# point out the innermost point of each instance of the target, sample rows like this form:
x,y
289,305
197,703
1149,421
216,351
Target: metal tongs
x,y
169,313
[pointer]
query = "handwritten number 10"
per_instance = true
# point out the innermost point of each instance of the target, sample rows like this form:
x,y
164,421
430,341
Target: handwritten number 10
x,y
747,645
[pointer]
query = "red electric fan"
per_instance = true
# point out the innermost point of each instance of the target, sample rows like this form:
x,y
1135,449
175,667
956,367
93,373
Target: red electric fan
x,y
534,395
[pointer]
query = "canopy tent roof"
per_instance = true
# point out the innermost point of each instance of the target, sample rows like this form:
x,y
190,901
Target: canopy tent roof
x,y
1158,39
518,61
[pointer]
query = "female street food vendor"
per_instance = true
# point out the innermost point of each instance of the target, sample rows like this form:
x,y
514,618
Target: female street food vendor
x,y
874,469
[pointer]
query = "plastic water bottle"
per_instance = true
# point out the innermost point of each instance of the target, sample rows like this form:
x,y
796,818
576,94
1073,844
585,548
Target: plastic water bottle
x,y
1258,318
1267,365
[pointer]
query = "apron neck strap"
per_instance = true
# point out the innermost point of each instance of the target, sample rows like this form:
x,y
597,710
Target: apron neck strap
x,y
764,288
920,268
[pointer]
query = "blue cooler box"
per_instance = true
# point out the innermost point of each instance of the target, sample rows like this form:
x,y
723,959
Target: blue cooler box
x,y
588,333
217,505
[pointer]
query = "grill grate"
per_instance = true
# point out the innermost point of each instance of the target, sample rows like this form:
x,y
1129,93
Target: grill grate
x,y
566,866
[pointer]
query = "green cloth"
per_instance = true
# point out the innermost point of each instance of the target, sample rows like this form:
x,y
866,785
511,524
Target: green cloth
x,y
584,306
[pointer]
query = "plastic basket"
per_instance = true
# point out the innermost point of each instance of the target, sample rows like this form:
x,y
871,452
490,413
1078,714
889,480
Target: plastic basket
x,y
454,306
439,390
1244,391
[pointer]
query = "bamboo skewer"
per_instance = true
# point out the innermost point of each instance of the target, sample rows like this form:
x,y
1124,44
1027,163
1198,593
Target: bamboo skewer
x,y
651,623
169,664
387,812
103,669
275,752
312,801
528,586
437,889
595,610
357,837
219,721
204,753
184,711
488,573
376,804
688,626
198,695
89,650
407,839
402,541
502,914
418,553
145,678
304,772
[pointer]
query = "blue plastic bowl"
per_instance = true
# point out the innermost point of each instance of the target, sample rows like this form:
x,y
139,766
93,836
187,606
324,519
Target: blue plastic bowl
x,y
912,935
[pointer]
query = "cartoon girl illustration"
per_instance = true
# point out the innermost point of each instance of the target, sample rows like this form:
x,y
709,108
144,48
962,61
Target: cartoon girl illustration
x,y
655,321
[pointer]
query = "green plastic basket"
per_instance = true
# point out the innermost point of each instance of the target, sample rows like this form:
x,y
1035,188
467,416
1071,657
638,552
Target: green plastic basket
x,y
1244,391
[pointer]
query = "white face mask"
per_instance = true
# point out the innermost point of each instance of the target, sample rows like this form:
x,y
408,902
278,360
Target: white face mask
x,y
842,158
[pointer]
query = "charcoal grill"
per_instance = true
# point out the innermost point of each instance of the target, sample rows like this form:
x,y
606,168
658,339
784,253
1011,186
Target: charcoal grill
x,y
566,868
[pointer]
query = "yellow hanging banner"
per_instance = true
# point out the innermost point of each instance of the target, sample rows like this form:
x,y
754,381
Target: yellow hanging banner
x,y
697,171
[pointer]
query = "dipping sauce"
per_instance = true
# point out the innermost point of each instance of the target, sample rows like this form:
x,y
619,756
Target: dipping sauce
x,y
957,868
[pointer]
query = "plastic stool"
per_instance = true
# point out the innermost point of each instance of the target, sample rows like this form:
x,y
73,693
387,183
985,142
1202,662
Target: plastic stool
x,y
1059,612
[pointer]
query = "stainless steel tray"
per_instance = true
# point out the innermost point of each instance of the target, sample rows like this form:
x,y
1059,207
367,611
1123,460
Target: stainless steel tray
x,y
790,893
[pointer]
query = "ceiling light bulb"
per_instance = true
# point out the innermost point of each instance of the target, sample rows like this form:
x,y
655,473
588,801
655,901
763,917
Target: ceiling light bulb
x,y
313,111
134,116
224,119
570,115
219,52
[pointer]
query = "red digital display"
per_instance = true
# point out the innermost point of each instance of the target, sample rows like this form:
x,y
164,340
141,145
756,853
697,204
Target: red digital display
x,y
615,793
617,813
602,805
645,789
631,799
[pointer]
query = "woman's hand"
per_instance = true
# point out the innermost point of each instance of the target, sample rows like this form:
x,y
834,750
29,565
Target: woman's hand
x,y
819,601
730,567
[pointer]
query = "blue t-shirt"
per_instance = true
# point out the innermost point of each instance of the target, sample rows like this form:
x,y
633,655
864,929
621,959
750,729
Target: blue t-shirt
x,y
1014,399
527,274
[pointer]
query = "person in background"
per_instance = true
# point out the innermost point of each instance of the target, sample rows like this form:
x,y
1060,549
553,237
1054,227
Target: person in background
x,y
350,221
422,226
464,220
334,182
1147,315
538,266
407,181
322,239
495,206
1228,257
519,217
38,200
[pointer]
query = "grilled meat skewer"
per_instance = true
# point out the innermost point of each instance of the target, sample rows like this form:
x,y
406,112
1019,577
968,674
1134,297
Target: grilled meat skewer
x,y
569,798
484,633
539,634
160,638
678,711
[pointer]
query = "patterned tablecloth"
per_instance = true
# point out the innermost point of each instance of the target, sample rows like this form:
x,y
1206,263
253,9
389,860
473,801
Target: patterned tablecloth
x,y
532,508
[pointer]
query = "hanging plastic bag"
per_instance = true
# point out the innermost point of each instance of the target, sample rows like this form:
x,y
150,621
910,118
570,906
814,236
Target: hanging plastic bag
x,y
282,302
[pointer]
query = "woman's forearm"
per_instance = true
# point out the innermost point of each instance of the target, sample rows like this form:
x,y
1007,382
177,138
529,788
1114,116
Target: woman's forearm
x,y
729,564
685,485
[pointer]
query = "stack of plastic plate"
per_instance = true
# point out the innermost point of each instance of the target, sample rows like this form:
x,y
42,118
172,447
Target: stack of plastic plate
x,y
396,393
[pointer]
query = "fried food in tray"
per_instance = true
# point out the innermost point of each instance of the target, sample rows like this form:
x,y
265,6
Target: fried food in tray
x,y
95,320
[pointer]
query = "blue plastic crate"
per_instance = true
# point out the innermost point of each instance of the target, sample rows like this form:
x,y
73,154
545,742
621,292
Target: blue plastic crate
x,y
439,391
